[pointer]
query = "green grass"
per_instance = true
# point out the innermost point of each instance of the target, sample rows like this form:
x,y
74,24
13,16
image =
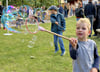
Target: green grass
x,y
15,53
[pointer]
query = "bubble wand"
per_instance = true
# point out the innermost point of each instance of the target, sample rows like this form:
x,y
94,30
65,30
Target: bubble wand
x,y
43,29
37,28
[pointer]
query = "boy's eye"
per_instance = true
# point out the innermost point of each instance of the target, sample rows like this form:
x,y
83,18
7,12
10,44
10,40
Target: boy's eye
x,y
84,28
77,28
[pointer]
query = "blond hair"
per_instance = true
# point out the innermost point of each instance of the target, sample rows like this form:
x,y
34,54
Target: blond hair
x,y
84,20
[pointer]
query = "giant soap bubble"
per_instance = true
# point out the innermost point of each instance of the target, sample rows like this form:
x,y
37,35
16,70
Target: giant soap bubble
x,y
18,21
24,11
9,18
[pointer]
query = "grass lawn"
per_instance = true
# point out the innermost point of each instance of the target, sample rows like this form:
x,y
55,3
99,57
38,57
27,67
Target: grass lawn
x,y
16,50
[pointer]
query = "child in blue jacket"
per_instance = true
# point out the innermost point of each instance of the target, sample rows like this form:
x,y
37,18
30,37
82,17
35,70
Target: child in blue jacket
x,y
57,26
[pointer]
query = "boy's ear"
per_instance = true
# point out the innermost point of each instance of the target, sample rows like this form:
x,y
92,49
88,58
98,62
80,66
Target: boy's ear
x,y
89,32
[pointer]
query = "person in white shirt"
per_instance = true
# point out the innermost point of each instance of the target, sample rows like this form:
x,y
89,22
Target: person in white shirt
x,y
30,12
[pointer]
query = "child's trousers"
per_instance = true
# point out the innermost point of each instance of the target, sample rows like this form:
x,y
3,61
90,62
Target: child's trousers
x,y
56,38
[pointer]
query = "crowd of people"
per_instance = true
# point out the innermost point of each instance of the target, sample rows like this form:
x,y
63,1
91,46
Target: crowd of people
x,y
23,12
80,10
90,11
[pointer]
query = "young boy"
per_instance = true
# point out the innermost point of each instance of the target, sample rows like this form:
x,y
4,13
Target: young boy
x,y
58,26
83,51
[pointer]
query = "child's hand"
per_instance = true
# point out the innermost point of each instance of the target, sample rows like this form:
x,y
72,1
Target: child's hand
x,y
56,23
93,70
73,42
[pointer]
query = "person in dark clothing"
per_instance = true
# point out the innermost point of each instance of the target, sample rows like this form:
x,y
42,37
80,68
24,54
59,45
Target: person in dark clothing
x,y
79,12
90,12
65,10
61,10
96,24
1,9
95,27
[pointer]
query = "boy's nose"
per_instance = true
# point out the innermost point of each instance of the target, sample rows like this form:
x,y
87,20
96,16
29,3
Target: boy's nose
x,y
80,29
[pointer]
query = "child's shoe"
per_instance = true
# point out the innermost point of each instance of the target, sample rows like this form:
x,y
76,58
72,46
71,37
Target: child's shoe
x,y
63,53
56,51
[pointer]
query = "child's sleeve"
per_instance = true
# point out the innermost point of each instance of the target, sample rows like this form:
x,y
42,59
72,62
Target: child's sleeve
x,y
63,22
96,58
53,20
73,52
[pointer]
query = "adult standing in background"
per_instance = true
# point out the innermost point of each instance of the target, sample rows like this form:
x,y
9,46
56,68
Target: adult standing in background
x,y
30,12
90,12
76,4
1,9
65,10
43,13
61,10
34,10
73,7
79,12
96,24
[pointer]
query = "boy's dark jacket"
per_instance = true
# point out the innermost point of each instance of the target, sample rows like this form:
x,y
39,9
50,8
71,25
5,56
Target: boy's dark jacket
x,y
61,21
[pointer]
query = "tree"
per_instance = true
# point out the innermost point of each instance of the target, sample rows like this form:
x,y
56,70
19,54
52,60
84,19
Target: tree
x,y
37,3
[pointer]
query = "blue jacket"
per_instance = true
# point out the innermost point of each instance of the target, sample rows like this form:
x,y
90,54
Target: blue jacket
x,y
61,21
